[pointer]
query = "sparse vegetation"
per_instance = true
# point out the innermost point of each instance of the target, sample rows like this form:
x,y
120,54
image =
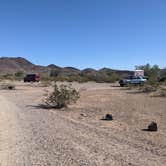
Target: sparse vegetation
x,y
19,75
8,77
62,96
154,78
7,86
152,73
54,73
46,83
16,76
148,88
161,92
155,75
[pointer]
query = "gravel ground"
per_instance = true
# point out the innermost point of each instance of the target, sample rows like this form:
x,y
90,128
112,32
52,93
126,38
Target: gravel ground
x,y
33,136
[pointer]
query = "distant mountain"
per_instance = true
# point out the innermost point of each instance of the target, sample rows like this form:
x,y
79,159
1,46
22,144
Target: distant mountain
x,y
89,71
67,71
52,66
12,65
109,72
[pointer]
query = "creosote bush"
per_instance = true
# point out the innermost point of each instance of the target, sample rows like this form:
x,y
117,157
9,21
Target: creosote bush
x,y
62,96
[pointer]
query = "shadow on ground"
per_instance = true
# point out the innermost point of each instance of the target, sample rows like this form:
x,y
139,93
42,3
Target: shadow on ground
x,y
41,106
136,92
147,130
115,86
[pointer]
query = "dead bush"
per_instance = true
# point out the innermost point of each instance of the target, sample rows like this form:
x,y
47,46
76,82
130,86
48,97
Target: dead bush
x,y
62,96
6,86
161,93
148,88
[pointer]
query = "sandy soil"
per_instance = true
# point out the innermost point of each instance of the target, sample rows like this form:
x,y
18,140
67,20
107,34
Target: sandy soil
x,y
33,136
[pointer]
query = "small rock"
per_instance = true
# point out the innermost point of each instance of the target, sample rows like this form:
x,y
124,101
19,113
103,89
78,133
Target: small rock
x,y
11,87
84,115
108,117
152,126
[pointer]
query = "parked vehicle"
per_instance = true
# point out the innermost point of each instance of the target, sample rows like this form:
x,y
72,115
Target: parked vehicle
x,y
139,73
133,80
32,78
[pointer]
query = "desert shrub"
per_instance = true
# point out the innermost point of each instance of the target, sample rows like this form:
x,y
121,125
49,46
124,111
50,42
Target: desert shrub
x,y
8,77
161,92
101,78
19,74
114,77
148,88
61,78
45,77
81,78
55,72
7,86
77,78
62,96
97,77
162,81
152,72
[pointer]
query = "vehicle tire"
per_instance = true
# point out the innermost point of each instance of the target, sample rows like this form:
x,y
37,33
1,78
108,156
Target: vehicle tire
x,y
122,85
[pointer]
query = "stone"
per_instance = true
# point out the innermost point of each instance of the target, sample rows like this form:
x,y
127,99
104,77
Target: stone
x,y
108,117
84,115
152,126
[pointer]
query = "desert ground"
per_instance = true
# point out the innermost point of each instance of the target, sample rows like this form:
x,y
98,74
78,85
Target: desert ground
x,y
76,136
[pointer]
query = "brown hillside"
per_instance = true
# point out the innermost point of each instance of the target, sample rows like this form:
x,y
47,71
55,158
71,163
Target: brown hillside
x,y
12,65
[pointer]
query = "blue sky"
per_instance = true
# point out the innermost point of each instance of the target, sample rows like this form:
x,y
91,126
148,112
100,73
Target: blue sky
x,y
117,34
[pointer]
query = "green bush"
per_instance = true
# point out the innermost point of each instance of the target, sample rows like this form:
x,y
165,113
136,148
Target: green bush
x,y
55,73
19,74
62,96
152,72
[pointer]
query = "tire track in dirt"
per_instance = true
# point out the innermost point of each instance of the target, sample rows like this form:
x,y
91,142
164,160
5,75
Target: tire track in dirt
x,y
9,134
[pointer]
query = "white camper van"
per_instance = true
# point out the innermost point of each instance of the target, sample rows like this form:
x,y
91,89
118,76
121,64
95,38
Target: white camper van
x,y
137,79
138,73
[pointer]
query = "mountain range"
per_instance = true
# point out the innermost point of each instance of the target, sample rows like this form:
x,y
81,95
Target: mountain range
x,y
11,65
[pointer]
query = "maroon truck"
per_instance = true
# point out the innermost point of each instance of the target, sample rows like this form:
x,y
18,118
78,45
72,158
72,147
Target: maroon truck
x,y
32,78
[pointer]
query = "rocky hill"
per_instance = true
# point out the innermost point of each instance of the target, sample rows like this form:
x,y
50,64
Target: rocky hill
x,y
10,65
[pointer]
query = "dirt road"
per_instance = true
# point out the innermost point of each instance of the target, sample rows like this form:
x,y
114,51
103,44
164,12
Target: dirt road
x,y
30,135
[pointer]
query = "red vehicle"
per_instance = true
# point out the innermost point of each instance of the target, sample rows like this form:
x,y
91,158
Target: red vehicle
x,y
32,78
